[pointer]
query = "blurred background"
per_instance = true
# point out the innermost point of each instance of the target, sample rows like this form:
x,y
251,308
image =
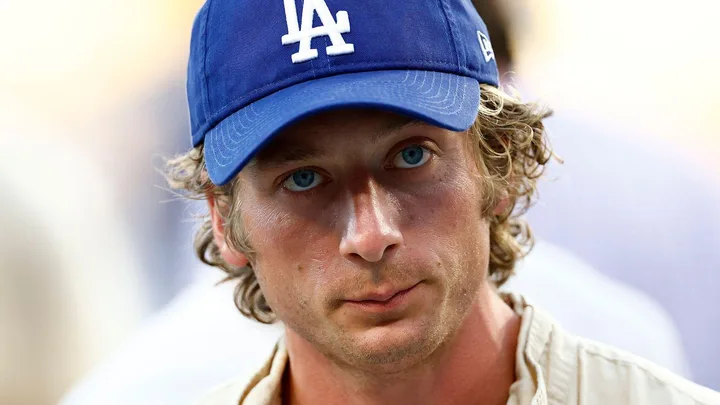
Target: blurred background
x,y
92,94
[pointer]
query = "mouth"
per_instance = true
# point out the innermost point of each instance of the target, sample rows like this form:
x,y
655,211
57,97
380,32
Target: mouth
x,y
382,300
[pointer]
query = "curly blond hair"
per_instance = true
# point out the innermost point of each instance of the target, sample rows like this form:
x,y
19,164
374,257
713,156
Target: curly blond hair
x,y
511,151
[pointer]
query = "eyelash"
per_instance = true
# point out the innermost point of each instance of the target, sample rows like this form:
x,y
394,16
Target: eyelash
x,y
287,176
425,144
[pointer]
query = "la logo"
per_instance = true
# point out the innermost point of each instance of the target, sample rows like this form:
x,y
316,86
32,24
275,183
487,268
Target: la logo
x,y
304,32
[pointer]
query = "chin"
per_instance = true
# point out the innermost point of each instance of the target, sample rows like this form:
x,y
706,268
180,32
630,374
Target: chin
x,y
393,347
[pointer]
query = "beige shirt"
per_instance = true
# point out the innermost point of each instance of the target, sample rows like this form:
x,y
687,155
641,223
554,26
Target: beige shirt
x,y
552,367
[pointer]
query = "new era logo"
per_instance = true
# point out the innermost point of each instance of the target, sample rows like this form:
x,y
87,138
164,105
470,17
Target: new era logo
x,y
303,32
486,47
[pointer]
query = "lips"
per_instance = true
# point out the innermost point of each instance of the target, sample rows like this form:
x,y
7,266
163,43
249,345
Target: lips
x,y
382,295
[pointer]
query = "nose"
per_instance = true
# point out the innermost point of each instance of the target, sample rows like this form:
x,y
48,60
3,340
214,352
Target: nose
x,y
371,230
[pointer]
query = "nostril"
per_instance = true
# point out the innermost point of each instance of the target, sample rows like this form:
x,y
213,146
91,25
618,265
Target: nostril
x,y
371,248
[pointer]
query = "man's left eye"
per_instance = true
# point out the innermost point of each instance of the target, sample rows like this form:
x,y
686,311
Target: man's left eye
x,y
411,156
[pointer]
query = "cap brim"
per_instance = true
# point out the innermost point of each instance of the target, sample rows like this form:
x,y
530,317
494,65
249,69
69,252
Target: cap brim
x,y
447,100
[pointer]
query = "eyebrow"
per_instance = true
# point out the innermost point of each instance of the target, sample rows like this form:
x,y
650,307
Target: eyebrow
x,y
298,152
395,127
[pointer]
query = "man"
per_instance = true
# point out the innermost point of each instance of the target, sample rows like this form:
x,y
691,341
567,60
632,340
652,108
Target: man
x,y
364,188
199,339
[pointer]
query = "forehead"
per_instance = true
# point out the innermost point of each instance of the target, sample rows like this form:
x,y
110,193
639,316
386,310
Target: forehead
x,y
325,131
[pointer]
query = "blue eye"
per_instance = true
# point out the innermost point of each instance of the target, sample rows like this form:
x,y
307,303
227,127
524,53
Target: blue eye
x,y
303,180
411,156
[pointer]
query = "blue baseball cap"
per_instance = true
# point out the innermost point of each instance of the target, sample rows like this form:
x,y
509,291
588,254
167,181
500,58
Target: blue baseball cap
x,y
257,66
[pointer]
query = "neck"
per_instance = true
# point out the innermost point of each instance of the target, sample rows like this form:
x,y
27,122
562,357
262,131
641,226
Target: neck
x,y
475,365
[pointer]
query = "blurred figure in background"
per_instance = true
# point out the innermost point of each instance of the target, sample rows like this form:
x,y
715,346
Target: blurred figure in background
x,y
655,223
105,75
70,285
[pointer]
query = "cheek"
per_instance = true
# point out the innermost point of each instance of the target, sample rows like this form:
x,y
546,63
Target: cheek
x,y
450,212
463,201
291,254
450,207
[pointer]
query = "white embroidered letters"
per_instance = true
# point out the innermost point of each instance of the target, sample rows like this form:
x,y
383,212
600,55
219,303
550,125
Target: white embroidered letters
x,y
304,31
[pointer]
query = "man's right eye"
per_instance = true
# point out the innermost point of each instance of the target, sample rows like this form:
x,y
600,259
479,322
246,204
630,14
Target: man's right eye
x,y
303,180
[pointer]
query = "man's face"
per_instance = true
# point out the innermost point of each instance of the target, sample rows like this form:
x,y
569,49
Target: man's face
x,y
368,234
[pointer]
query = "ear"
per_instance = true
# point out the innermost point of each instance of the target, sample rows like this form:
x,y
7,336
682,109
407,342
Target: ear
x,y
230,255
501,206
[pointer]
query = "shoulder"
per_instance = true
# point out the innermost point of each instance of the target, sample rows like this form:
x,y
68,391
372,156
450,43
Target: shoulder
x,y
551,277
229,393
262,388
596,373
629,376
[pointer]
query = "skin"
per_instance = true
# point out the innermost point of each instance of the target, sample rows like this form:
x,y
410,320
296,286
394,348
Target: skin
x,y
369,217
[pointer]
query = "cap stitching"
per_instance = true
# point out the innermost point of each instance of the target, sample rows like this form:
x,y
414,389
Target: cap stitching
x,y
206,98
291,78
448,16
223,135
